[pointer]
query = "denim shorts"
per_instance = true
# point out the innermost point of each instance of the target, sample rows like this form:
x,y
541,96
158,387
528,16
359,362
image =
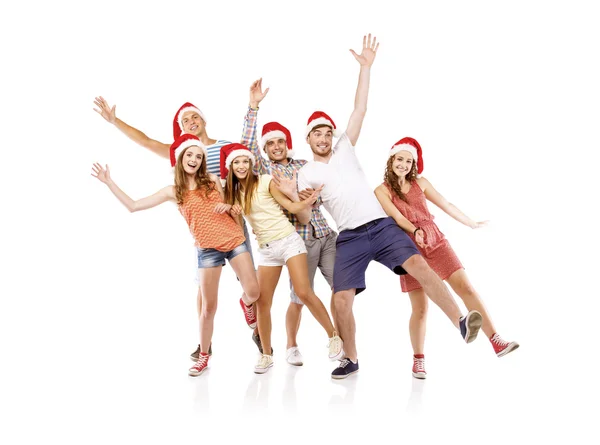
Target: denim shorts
x,y
213,257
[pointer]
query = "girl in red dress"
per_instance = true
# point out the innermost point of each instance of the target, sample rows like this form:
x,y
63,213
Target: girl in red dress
x,y
403,196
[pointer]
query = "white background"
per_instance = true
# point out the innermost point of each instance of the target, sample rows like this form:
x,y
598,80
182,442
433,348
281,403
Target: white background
x,y
97,314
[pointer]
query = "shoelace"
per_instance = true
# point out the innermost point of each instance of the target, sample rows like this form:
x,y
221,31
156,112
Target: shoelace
x,y
249,311
344,363
420,364
499,341
201,362
335,342
263,362
295,353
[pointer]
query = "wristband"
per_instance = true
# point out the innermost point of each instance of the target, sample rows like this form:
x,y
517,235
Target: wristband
x,y
416,230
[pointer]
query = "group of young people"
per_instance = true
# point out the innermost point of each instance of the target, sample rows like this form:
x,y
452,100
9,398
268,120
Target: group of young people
x,y
220,187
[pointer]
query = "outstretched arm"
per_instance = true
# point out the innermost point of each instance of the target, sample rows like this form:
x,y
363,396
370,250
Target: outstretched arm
x,y
109,114
163,195
249,139
435,197
366,59
385,199
301,209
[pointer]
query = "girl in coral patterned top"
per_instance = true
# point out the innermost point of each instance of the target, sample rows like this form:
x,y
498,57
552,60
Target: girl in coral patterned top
x,y
403,197
218,236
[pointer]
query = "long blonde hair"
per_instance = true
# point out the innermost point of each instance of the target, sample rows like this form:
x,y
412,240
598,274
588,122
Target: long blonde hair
x,y
201,178
233,188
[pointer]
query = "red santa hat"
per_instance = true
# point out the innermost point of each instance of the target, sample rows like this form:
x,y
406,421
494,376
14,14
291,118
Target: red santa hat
x,y
231,151
177,120
274,130
412,146
320,118
181,143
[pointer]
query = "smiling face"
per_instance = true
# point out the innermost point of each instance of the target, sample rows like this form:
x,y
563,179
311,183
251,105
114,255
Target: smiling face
x,y
241,166
276,149
192,123
192,159
320,140
402,163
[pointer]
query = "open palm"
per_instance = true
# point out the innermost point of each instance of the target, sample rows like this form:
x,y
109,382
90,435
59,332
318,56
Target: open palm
x,y
369,51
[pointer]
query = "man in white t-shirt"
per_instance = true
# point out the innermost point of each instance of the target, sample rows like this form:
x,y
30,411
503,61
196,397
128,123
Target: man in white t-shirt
x,y
366,233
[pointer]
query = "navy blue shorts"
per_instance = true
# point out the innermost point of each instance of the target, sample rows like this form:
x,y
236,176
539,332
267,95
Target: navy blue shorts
x,y
381,240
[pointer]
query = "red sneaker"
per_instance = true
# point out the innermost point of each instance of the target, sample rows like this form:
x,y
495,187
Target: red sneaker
x,y
200,365
502,347
249,314
418,370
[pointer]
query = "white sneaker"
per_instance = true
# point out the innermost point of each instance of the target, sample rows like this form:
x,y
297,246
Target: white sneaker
x,y
264,363
294,357
336,347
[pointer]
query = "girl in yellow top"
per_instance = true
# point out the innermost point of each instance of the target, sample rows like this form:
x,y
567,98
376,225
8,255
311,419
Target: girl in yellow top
x,y
260,201
218,236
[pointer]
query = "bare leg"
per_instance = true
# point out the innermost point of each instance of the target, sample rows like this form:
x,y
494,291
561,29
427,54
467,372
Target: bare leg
x,y
244,269
268,277
292,323
344,320
209,282
418,320
463,288
298,270
434,287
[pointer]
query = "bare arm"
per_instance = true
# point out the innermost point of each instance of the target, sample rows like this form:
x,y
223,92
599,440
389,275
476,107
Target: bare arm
x,y
435,197
385,199
301,209
218,186
109,114
249,139
366,59
163,195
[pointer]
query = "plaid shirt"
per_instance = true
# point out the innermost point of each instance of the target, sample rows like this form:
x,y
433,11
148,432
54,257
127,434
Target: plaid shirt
x,y
318,224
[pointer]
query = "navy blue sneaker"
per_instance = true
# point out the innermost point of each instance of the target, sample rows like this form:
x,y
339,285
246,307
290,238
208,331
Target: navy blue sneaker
x,y
470,325
347,367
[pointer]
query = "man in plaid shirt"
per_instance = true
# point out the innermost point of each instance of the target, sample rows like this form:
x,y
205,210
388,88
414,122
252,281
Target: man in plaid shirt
x,y
318,237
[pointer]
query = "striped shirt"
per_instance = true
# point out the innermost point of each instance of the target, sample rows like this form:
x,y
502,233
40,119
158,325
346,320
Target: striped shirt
x,y
214,156
318,227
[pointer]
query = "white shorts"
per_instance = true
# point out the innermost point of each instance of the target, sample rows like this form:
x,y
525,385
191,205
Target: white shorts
x,y
276,253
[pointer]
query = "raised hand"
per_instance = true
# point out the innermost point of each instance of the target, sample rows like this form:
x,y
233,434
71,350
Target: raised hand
x,y
221,207
286,186
102,174
104,110
369,51
256,93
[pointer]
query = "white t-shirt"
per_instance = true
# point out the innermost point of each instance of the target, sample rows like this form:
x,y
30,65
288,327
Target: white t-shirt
x,y
347,195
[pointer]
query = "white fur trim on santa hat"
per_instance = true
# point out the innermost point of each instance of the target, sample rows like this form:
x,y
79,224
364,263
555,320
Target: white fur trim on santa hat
x,y
405,147
276,134
320,121
189,143
185,110
235,153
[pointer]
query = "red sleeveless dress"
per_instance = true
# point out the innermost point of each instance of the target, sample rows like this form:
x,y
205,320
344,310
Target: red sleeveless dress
x,y
438,253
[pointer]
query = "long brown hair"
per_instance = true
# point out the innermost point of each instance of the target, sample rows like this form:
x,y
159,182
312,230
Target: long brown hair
x,y
233,188
391,178
201,178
